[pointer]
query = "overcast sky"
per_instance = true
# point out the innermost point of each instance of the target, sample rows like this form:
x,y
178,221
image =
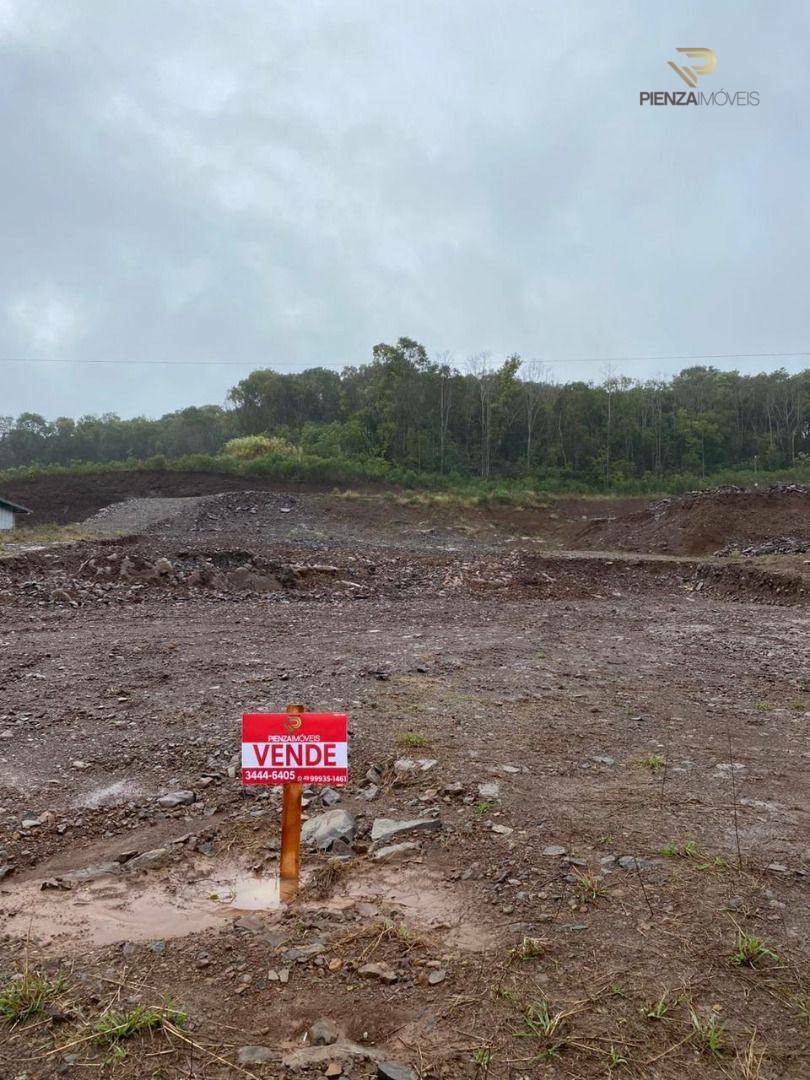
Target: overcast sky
x,y
286,184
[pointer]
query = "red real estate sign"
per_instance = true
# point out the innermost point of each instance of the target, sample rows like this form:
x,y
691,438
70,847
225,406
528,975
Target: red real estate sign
x,y
294,748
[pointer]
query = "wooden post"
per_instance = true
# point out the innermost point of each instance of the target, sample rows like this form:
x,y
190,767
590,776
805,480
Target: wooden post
x,y
291,827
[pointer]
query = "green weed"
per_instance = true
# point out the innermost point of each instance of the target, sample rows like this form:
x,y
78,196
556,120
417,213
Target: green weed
x,y
658,1009
750,951
654,762
28,995
707,1034
481,808
615,1058
116,1025
411,739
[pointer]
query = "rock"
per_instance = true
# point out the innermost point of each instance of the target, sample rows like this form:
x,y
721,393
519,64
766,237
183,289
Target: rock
x,y
553,850
164,567
393,1070
256,1055
323,1032
369,792
80,765
31,822
396,852
407,765
605,760
386,828
436,977
157,947
341,1050
380,971
333,1069
502,830
329,797
150,860
90,873
777,868
177,798
324,829
252,924
374,776
635,862
489,790
5,871
453,790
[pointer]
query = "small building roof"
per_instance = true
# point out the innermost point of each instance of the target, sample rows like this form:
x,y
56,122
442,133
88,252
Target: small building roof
x,y
15,508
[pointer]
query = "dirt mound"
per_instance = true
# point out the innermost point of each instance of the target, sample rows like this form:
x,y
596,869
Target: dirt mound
x,y
701,522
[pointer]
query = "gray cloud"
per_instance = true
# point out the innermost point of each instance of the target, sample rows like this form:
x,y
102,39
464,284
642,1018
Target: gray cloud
x,y
287,184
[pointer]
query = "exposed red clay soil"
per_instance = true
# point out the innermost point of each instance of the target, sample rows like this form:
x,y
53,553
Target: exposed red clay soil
x,y
702,522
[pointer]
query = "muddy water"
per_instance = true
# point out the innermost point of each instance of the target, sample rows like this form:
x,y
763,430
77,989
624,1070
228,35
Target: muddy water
x,y
114,908
186,900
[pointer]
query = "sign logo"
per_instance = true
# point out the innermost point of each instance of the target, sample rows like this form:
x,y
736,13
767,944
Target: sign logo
x,y
690,75
293,723
702,62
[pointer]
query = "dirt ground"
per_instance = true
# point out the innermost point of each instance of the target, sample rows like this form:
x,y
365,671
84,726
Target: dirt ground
x,y
606,752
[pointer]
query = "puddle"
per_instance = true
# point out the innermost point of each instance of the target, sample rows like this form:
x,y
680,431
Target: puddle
x,y
424,901
114,908
188,899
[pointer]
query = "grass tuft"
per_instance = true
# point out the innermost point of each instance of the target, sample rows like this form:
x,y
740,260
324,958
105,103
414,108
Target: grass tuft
x,y
116,1025
28,994
749,951
411,739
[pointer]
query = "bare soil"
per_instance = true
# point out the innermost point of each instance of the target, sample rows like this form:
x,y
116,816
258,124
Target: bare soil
x,y
620,748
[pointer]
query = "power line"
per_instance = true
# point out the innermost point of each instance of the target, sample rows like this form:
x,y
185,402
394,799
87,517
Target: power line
x,y
254,364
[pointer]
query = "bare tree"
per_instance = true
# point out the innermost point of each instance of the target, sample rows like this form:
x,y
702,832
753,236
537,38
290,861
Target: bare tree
x,y
445,373
534,371
480,368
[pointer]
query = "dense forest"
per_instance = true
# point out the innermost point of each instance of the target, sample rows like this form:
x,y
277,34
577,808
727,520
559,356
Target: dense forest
x,y
504,419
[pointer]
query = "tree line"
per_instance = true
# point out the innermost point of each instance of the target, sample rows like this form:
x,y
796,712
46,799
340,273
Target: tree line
x,y
484,417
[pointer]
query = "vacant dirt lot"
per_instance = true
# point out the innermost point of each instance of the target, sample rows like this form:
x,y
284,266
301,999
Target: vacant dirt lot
x,y
607,754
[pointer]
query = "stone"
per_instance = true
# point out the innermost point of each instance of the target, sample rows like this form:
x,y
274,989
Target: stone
x,y
393,1070
553,850
380,971
453,790
635,862
369,792
256,1055
342,1050
252,924
164,567
157,947
490,790
323,830
777,868
150,860
333,1069
31,823
603,759
396,852
436,977
5,871
329,797
323,1032
407,765
387,828
502,830
176,798
79,764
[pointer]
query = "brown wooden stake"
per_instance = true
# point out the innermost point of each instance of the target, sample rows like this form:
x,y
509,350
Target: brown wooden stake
x,y
291,825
